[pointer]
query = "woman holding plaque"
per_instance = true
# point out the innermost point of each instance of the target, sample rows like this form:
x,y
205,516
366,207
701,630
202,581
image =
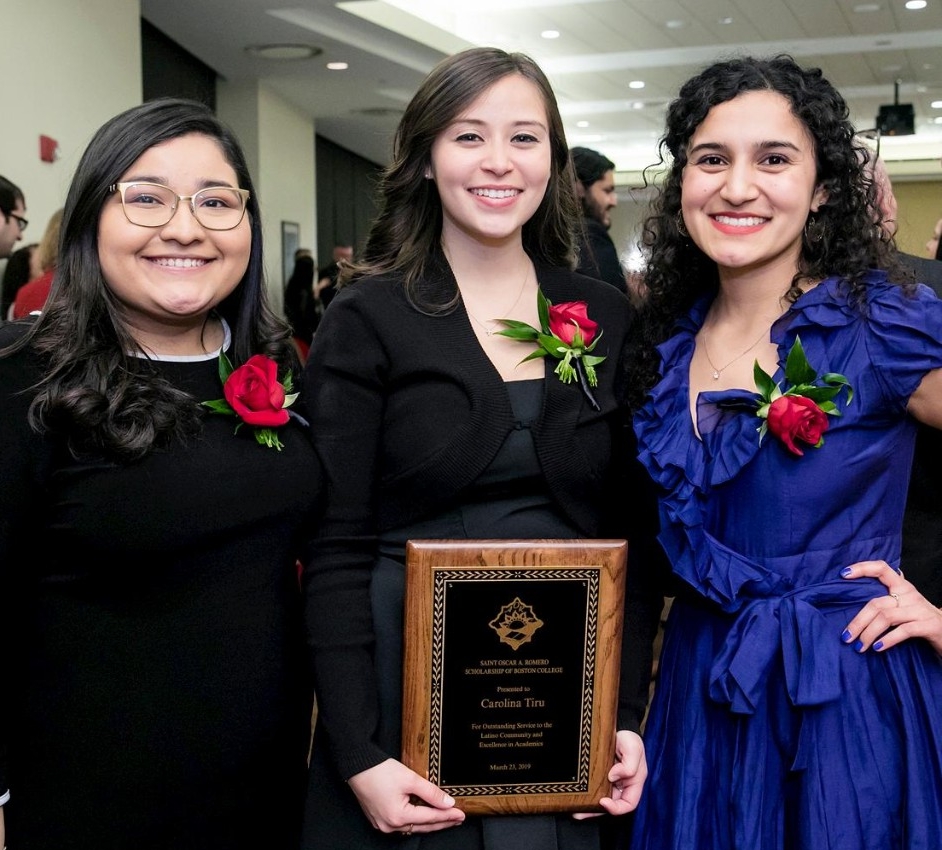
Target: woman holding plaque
x,y
432,424
798,691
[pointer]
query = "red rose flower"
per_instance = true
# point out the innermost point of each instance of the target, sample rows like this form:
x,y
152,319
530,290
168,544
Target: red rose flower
x,y
567,334
565,319
794,417
255,394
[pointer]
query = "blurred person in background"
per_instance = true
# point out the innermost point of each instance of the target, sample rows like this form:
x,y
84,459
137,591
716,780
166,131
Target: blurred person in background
x,y
329,276
921,557
934,245
300,305
21,268
595,187
32,296
928,271
13,209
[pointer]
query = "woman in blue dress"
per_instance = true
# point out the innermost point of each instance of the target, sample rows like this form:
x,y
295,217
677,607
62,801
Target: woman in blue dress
x,y
797,702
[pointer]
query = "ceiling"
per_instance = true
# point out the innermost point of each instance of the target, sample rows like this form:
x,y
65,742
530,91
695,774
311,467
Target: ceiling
x,y
867,49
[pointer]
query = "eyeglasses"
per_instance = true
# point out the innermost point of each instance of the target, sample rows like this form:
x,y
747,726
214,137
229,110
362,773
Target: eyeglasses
x,y
21,222
153,204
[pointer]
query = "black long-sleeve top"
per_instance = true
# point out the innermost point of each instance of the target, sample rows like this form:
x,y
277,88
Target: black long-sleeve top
x,y
154,691
407,411
598,256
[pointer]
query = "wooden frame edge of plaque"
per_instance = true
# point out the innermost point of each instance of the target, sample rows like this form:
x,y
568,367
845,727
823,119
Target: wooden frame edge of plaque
x,y
428,564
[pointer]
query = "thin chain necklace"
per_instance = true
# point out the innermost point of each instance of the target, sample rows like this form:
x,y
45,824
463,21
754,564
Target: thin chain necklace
x,y
719,371
490,331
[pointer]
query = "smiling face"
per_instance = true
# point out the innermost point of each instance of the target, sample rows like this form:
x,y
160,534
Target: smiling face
x,y
492,164
749,184
170,277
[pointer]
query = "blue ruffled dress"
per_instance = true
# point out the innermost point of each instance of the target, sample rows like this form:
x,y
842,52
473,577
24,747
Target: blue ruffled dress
x,y
766,731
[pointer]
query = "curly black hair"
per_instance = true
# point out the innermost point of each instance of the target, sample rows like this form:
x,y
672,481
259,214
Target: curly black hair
x,y
844,236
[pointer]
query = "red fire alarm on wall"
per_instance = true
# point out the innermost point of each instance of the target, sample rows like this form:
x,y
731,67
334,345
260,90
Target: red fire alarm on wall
x,y
48,149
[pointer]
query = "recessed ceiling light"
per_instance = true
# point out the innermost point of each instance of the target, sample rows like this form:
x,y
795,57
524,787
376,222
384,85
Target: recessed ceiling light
x,y
675,24
549,34
936,104
337,66
725,21
861,8
638,104
283,52
582,123
916,4
937,120
636,84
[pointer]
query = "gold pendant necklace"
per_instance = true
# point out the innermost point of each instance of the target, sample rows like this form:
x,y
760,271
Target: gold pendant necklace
x,y
490,331
719,371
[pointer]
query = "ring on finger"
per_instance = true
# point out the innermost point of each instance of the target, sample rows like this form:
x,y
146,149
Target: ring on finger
x,y
896,597
409,830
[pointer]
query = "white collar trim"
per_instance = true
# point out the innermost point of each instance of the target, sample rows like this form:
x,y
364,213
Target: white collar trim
x,y
193,358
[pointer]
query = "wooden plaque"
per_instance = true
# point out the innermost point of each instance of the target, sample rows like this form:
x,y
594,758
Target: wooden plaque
x,y
511,668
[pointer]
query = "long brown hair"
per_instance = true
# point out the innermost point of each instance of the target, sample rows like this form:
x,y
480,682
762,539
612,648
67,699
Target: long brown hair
x,y
408,229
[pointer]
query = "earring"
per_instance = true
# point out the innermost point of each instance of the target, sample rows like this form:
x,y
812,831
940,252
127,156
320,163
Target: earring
x,y
814,229
681,227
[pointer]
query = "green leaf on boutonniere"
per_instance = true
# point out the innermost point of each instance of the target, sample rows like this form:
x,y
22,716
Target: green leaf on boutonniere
x,y
799,413
225,367
797,368
519,330
567,334
764,383
219,405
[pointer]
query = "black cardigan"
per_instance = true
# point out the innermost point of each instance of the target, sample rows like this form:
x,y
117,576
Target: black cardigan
x,y
407,411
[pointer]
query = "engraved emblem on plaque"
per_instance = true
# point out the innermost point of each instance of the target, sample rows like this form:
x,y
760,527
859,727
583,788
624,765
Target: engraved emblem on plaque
x,y
516,624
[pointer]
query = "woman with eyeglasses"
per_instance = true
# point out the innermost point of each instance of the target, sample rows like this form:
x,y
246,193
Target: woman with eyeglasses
x,y
156,484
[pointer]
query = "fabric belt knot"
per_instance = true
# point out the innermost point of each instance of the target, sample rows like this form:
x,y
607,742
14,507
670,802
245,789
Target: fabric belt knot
x,y
793,627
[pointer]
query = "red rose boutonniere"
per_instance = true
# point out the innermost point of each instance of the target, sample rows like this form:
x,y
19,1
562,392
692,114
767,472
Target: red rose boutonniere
x,y
800,413
254,394
566,333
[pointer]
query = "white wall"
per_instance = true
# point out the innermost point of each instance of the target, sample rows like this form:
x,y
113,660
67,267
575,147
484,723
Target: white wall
x,y
67,66
279,145
286,180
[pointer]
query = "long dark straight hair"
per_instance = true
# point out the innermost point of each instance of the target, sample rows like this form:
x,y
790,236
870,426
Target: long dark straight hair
x,y
95,391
